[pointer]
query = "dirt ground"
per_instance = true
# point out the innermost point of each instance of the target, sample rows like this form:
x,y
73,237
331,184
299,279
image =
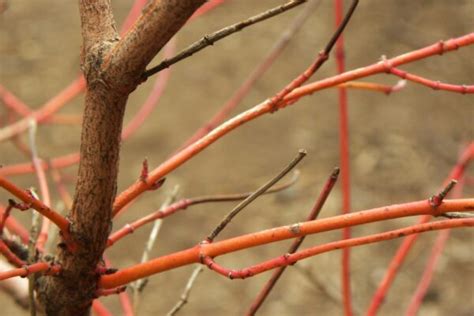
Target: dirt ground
x,y
402,147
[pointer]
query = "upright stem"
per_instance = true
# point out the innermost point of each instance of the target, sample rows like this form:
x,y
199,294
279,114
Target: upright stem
x,y
344,154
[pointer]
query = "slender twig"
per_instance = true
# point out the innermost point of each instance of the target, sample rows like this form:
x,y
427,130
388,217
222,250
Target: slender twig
x,y
187,290
437,199
13,102
435,85
269,106
289,259
373,86
139,285
259,71
33,202
43,184
99,308
394,266
16,288
14,226
344,161
249,199
185,203
32,258
257,111
210,39
228,218
323,195
5,215
26,270
10,255
436,251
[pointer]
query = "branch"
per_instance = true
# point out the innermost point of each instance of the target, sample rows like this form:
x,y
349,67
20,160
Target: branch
x,y
435,85
268,106
256,74
31,201
323,195
210,39
252,197
184,204
407,244
289,259
47,268
195,254
159,21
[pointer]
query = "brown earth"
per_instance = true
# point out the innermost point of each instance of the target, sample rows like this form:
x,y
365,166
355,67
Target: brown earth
x,y
402,147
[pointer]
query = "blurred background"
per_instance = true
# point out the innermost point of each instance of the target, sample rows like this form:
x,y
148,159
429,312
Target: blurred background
x,y
402,147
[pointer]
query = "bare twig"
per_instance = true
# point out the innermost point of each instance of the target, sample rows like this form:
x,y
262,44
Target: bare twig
x,y
255,195
210,39
185,295
32,257
185,203
43,185
256,74
437,199
139,285
262,190
331,181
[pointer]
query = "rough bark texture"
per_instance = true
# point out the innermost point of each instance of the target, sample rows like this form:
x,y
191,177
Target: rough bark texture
x,y
113,69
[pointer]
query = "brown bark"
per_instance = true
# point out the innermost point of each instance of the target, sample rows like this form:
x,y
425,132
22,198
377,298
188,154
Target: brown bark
x,y
113,69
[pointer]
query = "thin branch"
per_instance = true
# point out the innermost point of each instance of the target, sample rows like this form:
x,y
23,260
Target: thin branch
x,y
99,308
187,290
196,253
255,112
47,268
31,201
323,195
210,39
228,218
435,85
402,251
33,258
268,106
10,255
14,226
185,203
259,71
139,285
250,198
344,157
289,259
43,184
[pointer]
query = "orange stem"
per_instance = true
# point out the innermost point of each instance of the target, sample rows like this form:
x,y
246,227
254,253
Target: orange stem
x,y
194,254
265,107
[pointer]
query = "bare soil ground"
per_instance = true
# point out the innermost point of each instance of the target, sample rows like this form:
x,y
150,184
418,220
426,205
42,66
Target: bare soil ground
x,y
402,147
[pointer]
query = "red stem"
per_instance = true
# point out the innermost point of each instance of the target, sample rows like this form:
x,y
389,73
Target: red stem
x,y
258,110
15,227
43,209
345,164
32,268
405,247
323,195
436,85
289,259
99,309
9,255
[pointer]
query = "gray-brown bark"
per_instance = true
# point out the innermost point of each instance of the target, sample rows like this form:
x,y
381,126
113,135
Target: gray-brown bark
x,y
113,69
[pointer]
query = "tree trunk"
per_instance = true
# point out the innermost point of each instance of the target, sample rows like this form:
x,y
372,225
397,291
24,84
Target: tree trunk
x,y
112,68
